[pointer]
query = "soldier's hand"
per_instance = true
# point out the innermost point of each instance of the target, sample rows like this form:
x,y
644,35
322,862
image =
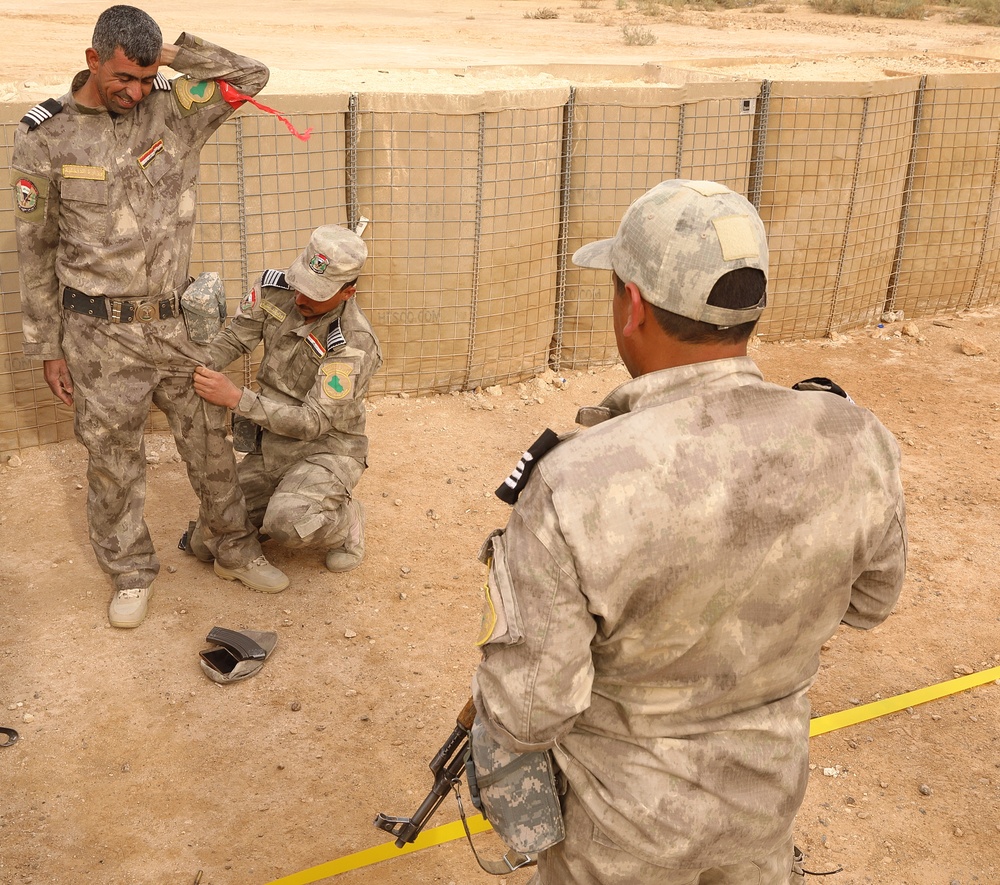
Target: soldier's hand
x,y
57,376
216,388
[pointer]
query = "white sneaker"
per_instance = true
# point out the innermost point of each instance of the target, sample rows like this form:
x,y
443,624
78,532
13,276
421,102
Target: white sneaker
x,y
258,575
128,607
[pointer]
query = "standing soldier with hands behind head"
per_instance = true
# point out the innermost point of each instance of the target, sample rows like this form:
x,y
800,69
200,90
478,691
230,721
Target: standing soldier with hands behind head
x,y
659,597
104,185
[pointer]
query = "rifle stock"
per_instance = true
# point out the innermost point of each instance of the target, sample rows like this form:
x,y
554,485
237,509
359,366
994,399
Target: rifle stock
x,y
447,767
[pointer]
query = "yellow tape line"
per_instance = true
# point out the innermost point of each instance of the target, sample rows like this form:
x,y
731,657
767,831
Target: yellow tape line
x,y
477,824
427,839
823,724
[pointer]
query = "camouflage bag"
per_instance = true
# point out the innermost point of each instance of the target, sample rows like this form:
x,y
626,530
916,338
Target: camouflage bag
x,y
204,307
517,793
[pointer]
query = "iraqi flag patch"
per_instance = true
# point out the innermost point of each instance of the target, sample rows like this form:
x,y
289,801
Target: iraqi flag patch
x,y
151,153
316,345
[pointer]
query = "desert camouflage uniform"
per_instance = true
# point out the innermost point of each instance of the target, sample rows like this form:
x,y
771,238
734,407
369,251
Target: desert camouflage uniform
x,y
106,205
313,379
675,569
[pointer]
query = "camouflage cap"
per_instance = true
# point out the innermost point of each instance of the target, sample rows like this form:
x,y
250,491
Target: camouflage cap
x,y
676,240
333,257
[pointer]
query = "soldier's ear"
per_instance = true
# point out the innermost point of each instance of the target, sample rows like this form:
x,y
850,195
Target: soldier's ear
x,y
92,60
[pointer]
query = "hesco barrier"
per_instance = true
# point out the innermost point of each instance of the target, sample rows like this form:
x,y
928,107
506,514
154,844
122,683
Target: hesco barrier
x,y
876,195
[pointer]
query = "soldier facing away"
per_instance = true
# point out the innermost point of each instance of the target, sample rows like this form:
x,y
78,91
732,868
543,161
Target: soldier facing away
x,y
104,186
658,599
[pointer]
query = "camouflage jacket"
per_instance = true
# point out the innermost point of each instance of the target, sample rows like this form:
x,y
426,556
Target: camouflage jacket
x,y
106,204
313,377
658,600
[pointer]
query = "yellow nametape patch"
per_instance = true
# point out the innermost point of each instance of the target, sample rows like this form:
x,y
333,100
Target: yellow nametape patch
x,y
87,173
274,310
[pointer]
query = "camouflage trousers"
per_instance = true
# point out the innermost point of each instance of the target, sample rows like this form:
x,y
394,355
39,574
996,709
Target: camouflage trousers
x,y
117,371
587,857
302,503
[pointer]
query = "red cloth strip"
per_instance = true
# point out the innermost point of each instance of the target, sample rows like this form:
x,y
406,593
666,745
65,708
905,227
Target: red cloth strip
x,y
235,99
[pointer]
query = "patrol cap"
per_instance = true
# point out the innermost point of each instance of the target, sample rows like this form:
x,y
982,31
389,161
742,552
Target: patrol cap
x,y
676,240
333,257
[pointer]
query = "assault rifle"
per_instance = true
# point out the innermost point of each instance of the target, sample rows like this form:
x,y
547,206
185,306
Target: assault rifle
x,y
447,767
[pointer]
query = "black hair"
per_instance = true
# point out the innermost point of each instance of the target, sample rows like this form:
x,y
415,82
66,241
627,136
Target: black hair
x,y
131,30
739,289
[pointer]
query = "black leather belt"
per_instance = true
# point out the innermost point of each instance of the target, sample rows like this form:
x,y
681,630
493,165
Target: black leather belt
x,y
118,311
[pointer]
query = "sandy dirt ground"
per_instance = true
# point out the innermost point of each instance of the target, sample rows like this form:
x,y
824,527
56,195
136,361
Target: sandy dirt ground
x,y
134,768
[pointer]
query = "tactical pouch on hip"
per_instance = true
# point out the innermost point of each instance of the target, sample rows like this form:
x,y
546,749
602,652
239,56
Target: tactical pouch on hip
x,y
204,307
246,435
517,793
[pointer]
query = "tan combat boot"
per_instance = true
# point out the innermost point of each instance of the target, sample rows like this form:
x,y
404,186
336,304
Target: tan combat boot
x,y
258,575
343,559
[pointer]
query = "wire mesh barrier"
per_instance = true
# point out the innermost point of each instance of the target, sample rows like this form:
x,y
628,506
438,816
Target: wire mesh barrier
x,y
876,196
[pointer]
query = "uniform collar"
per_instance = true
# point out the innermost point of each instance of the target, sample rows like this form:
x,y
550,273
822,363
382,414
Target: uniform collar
x,y
667,385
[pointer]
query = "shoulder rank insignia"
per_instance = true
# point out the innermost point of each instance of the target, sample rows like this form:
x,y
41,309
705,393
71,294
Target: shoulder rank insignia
x,y
42,112
275,279
822,384
161,83
335,337
514,484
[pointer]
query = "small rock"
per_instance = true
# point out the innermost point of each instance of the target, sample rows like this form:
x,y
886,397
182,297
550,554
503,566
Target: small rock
x,y
351,693
910,330
404,569
349,634
496,390
27,717
972,348
830,772
14,461
925,790
398,502
402,596
172,569
295,706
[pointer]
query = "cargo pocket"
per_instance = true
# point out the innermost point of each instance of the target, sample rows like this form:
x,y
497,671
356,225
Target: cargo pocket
x,y
501,620
85,203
